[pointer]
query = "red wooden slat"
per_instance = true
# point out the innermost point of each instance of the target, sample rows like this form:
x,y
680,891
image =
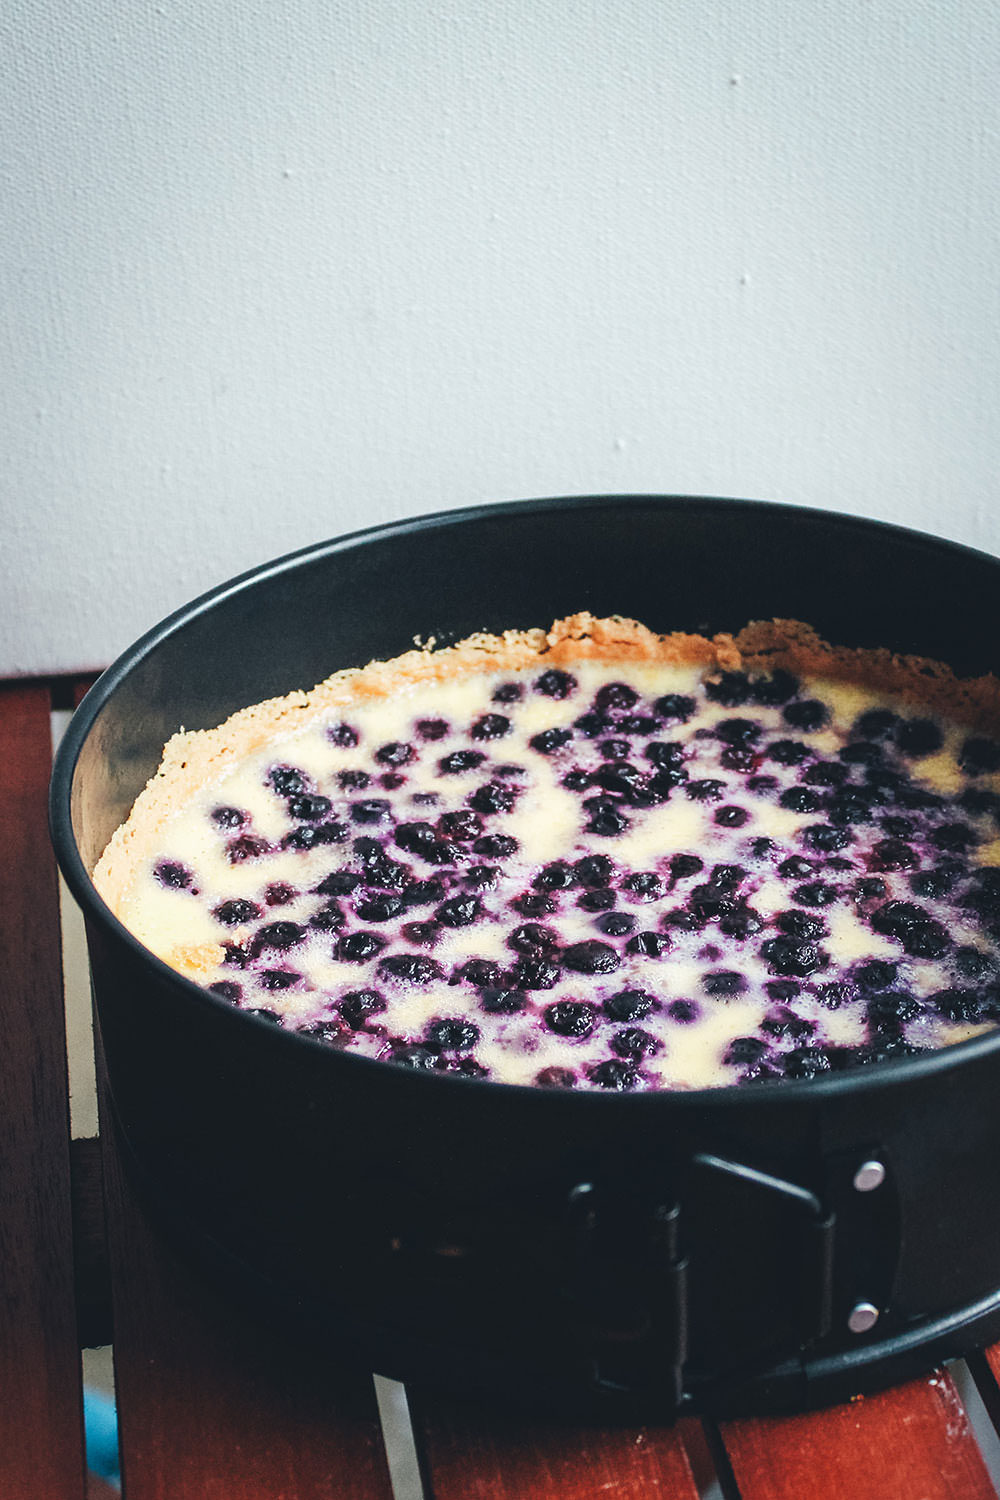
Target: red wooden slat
x,y
41,1421
469,1455
213,1405
911,1443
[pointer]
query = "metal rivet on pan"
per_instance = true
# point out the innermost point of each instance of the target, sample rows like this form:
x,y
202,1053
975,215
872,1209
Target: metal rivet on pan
x,y
863,1316
869,1176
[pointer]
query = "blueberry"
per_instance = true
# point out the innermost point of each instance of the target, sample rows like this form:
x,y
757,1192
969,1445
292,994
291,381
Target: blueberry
x,y
459,761
432,729
675,707
227,988
740,732
482,972
744,1051
972,964
451,1034
496,846
277,979
286,780
424,934
338,883
599,900
731,689
741,923
353,781
876,724
533,939
555,684
876,974
871,888
410,1055
415,837
463,826
796,867
628,1005
910,925
682,1011
790,956
358,1005
592,724
247,846
799,924
709,902
979,755
613,1074
953,838
815,893
648,944
707,790
801,799
723,982
482,877
641,724
634,1043
824,838
860,753
550,740
555,877
979,801
570,1018
782,989
591,957
735,759
502,1002
380,870
918,737
663,782
623,778
342,735
233,913
833,996
490,727
309,806
534,904
229,817
892,854
380,908
806,1062
644,885
236,957
594,870
605,818
331,1032
411,968
731,817
314,836
615,749
785,1023
684,865
509,692
460,911
773,690
359,946
957,1005
279,935
576,781
825,773
807,715
788,752
556,1078
327,918
892,1008
616,924
369,810
534,974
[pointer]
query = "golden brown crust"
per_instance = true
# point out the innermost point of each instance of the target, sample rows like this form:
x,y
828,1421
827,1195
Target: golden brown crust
x,y
192,760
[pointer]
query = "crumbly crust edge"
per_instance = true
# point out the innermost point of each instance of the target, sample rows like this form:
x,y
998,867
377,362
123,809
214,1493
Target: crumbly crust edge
x,y
194,759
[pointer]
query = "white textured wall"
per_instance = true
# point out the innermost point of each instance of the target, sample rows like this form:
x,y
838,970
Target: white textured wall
x,y
274,269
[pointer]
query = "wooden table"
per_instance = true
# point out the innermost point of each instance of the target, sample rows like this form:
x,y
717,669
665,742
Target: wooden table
x,y
211,1407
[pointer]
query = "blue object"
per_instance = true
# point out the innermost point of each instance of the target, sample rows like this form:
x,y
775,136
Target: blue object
x,y
100,1422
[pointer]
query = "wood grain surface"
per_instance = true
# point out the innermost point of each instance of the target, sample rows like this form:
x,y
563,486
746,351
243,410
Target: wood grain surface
x,y
41,1414
910,1443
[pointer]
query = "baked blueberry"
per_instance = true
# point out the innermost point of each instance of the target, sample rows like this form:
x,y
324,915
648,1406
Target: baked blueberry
x,y
807,715
490,727
591,957
356,947
555,684
234,913
613,1074
229,817
550,740
676,708
502,1002
570,1018
358,1006
628,1005
723,982
342,735
918,737
556,1078
409,968
460,761
731,689
451,1034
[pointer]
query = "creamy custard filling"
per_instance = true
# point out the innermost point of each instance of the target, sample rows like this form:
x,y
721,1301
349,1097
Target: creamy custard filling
x,y
617,874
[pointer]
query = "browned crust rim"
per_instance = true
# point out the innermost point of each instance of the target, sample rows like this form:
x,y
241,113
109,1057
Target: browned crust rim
x,y
192,760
